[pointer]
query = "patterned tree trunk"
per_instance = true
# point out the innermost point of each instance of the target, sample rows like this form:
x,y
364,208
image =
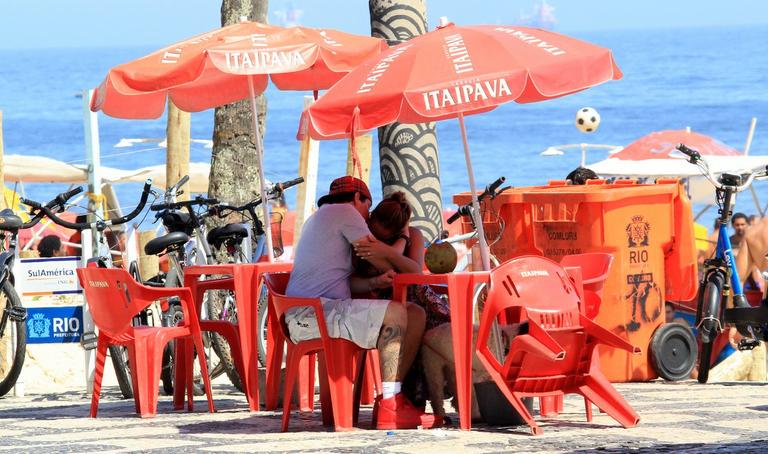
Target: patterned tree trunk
x,y
234,173
408,153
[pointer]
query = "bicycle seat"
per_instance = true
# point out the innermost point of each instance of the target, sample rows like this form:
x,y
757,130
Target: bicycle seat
x,y
164,242
9,220
216,237
178,221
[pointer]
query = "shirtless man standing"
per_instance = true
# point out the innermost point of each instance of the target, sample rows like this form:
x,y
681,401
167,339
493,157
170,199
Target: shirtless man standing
x,y
754,248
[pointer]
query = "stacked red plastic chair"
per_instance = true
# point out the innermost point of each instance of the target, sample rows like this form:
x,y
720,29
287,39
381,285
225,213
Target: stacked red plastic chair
x,y
341,361
594,268
556,356
114,299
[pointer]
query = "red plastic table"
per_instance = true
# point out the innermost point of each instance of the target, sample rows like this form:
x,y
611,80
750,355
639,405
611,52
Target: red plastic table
x,y
246,282
460,291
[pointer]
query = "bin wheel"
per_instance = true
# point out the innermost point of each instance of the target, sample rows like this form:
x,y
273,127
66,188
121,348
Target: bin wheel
x,y
673,351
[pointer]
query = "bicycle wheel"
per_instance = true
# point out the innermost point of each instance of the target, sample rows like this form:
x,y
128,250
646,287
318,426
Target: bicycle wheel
x,y
708,313
120,363
11,322
222,307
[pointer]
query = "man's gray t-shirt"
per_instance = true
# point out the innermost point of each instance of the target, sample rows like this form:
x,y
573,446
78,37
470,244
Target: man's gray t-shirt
x,y
323,260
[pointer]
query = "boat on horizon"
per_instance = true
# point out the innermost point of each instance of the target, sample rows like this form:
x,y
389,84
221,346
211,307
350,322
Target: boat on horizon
x,y
541,16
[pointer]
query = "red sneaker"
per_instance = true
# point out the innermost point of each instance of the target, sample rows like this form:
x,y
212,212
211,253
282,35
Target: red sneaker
x,y
397,413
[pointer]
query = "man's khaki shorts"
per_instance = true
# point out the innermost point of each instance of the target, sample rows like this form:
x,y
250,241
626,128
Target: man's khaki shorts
x,y
357,320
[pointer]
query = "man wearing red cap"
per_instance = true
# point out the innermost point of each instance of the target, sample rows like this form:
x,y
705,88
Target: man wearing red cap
x,y
323,268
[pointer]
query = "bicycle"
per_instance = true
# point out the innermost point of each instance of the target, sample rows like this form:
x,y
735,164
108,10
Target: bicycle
x,y
119,355
13,316
721,279
227,309
230,237
184,243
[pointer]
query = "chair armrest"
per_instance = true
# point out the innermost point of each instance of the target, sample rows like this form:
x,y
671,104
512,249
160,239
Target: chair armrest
x,y
606,337
549,347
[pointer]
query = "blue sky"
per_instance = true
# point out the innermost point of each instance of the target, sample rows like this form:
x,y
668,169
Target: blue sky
x,y
92,23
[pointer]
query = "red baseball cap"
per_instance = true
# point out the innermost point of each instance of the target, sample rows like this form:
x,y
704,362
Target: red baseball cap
x,y
345,185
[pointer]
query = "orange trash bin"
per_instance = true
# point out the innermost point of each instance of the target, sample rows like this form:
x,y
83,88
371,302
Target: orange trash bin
x,y
648,228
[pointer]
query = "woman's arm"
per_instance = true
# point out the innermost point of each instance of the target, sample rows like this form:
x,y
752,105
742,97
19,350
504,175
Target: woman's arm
x,y
384,256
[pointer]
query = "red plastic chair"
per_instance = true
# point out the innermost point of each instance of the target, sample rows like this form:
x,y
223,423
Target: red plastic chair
x,y
340,359
114,298
595,267
557,355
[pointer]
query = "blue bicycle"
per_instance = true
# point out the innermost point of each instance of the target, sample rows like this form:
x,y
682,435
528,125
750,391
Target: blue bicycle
x,y
721,280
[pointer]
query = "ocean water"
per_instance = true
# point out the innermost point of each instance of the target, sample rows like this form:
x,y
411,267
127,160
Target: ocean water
x,y
713,80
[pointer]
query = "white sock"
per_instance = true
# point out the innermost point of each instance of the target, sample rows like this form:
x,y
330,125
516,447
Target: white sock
x,y
390,389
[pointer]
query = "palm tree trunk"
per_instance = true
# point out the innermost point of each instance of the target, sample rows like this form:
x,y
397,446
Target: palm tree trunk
x,y
234,172
408,153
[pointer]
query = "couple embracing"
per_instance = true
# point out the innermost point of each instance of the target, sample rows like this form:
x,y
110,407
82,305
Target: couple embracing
x,y
346,251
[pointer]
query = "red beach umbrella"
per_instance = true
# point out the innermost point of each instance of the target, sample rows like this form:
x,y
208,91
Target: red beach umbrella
x,y
231,64
660,144
455,71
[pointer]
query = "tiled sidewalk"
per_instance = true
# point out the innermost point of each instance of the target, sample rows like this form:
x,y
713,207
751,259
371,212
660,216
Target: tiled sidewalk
x,y
681,417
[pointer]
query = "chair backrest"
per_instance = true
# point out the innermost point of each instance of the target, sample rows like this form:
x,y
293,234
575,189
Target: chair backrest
x,y
112,299
277,283
595,267
533,287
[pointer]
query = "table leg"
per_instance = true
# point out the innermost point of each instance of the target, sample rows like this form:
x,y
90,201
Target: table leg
x,y
460,298
244,298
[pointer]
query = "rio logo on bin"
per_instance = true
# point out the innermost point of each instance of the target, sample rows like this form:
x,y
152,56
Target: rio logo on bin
x,y
637,231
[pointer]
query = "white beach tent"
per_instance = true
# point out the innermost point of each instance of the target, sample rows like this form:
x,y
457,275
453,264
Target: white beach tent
x,y
198,176
701,191
40,169
655,156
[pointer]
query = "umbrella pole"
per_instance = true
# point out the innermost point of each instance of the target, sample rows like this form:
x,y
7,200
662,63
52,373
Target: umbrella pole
x,y
260,159
484,254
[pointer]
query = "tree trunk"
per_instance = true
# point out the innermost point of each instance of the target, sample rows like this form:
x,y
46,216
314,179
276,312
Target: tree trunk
x,y
234,173
408,153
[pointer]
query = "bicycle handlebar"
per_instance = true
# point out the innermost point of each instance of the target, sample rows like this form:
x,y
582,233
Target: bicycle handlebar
x,y
184,204
99,224
691,153
277,188
281,187
695,158
55,203
180,183
490,191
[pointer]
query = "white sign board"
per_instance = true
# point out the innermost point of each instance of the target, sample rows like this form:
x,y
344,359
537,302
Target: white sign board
x,y
47,276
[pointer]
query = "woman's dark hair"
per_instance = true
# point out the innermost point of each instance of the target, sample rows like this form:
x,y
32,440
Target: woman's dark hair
x,y
580,175
392,213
